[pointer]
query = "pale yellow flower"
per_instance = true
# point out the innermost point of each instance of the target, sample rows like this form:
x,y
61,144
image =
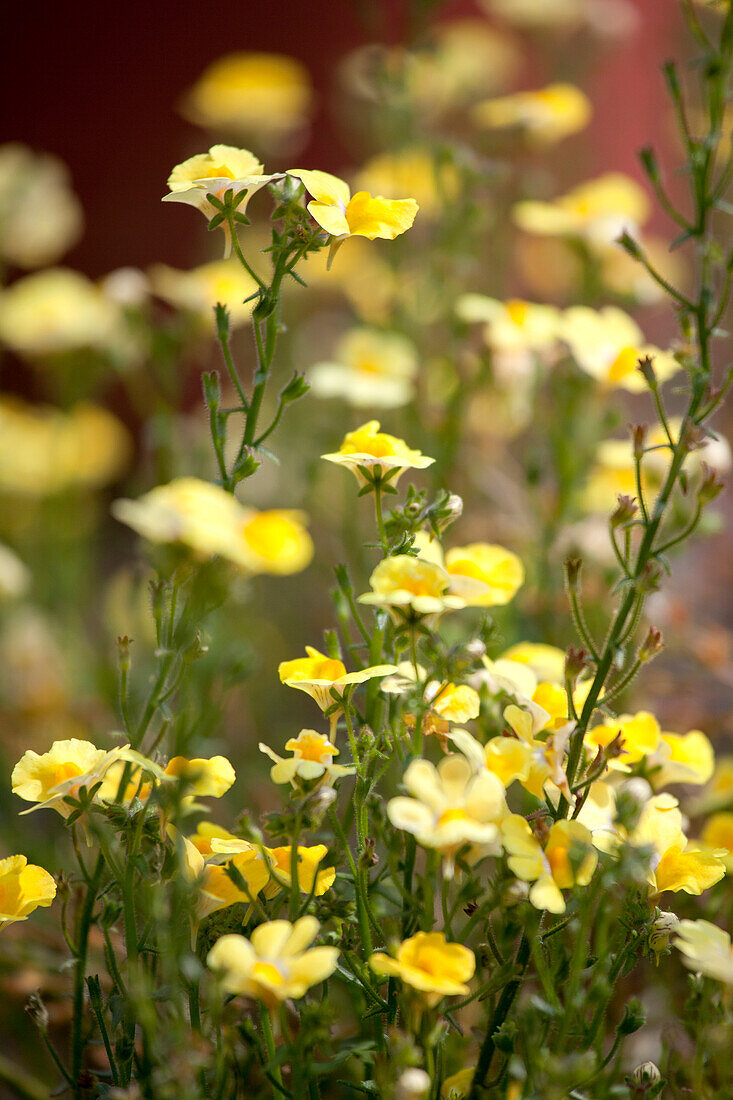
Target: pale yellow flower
x,y
545,116
520,334
49,778
215,888
428,963
251,93
23,888
641,735
199,290
607,18
411,171
718,794
547,662
553,868
208,520
597,211
371,448
706,948
411,586
676,863
224,168
608,344
277,963
342,215
717,833
450,806
312,758
320,676
58,311
40,216
369,367
498,570
683,758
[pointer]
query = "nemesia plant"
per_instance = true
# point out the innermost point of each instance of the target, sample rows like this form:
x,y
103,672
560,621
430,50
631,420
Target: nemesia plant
x,y
488,860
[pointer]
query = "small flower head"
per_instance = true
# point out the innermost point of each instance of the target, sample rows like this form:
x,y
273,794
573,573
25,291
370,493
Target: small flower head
x,y
369,367
320,676
40,216
543,116
430,965
312,759
49,778
676,863
609,345
412,587
199,290
498,570
597,211
23,888
706,949
567,859
377,452
276,963
58,311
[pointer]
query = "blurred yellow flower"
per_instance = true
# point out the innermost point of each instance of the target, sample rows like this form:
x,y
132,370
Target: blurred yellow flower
x,y
458,1085
199,290
310,879
23,888
683,758
216,889
499,571
545,116
276,963
430,964
342,215
320,676
369,447
641,735
608,344
706,948
56,311
598,211
40,216
518,333
209,778
312,758
411,586
251,93
609,18
676,863
369,284
547,662
369,367
455,703
568,859
717,833
49,778
450,806
15,577
208,520
411,171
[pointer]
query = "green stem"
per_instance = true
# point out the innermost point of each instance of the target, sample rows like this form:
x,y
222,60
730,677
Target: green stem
x,y
266,1026
82,947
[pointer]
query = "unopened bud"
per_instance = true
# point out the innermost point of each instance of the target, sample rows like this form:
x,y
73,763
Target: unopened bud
x,y
646,367
710,485
638,439
196,649
633,1019
651,646
615,747
322,800
296,388
476,648
573,567
413,1084
694,437
629,245
662,929
37,1011
624,512
123,652
650,577
645,1077
576,661
453,508
212,390
368,856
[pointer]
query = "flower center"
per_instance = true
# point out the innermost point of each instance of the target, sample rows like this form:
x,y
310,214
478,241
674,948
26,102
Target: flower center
x,y
517,311
623,365
268,972
452,814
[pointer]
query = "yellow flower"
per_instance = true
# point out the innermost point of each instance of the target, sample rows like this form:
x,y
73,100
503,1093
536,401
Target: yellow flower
x,y
61,772
216,890
641,735
546,661
429,964
206,831
251,93
607,344
598,211
676,863
210,778
367,446
57,311
412,171
706,948
538,13
40,216
684,758
718,834
519,333
277,963
312,758
451,806
23,888
458,1085
554,868
199,290
455,703
370,367
319,676
498,570
208,520
342,215
545,116
719,792
278,864
224,168
411,586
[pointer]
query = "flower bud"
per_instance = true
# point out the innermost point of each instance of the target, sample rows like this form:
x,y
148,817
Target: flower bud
x,y
625,511
573,568
652,645
638,439
37,1011
476,648
645,1076
709,487
576,661
123,652
413,1084
212,390
646,367
662,929
633,1019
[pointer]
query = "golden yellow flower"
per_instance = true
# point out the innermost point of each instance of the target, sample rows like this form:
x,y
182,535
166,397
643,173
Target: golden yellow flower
x,y
40,216
370,367
373,449
215,888
498,570
450,806
312,758
545,116
411,171
547,662
706,948
641,735
206,831
320,676
224,168
429,964
208,520
49,778
58,311
23,888
598,211
276,963
251,93
676,863
342,215
278,864
554,868
411,586
717,833
199,290
683,758
608,344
